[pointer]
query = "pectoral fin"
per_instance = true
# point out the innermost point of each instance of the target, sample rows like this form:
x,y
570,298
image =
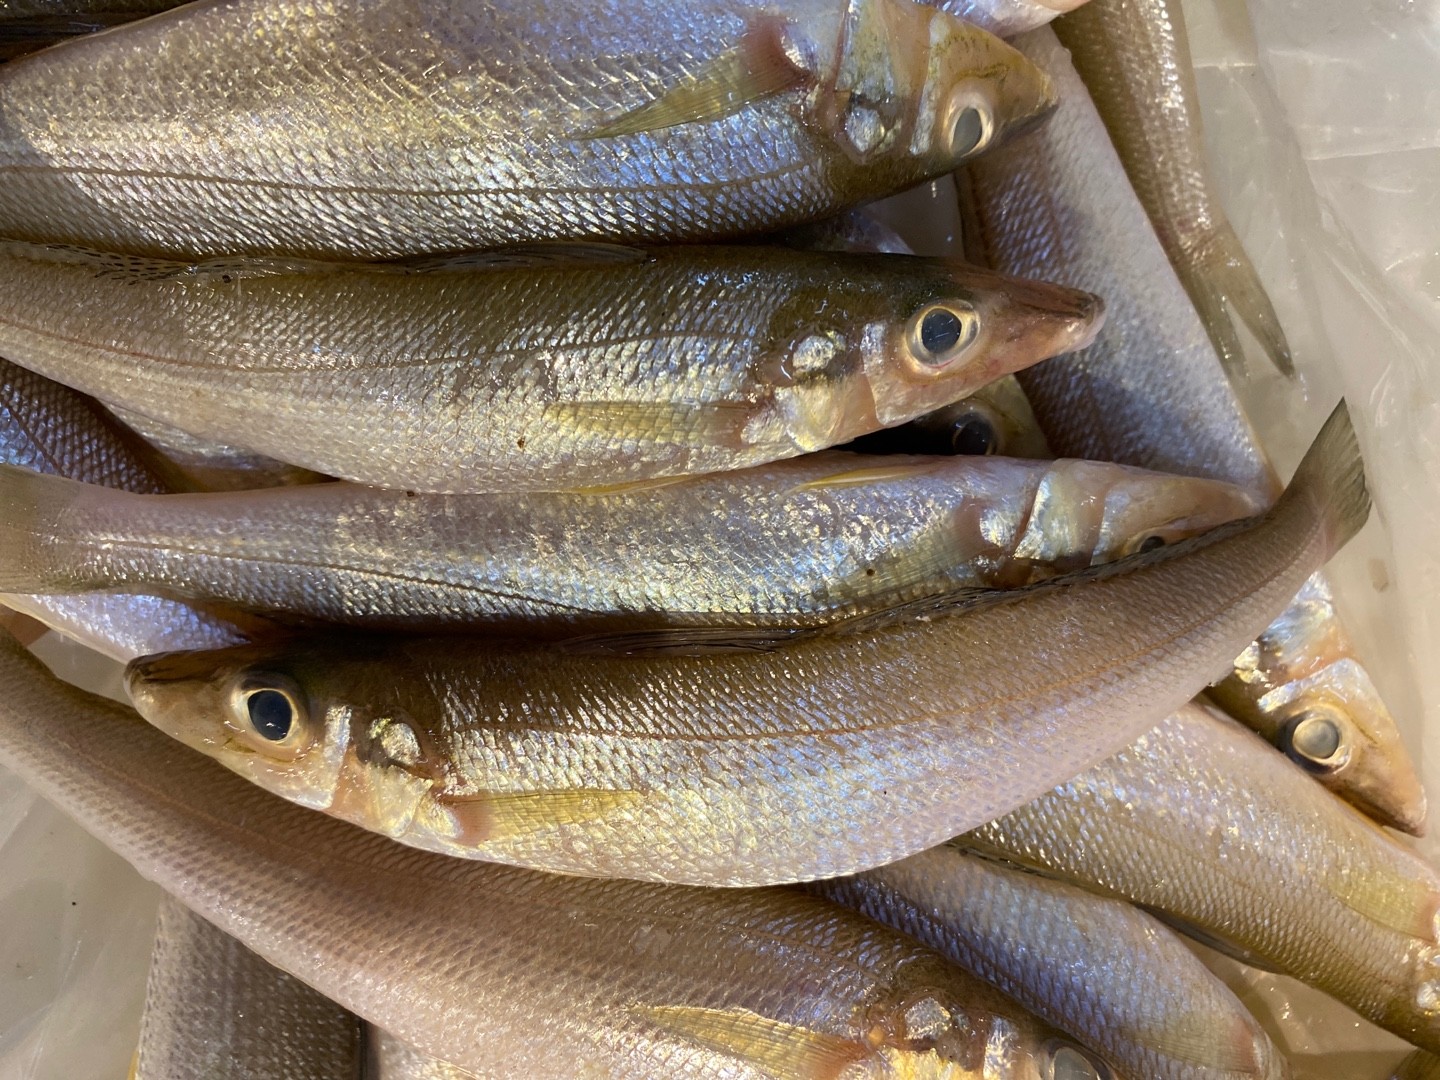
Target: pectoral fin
x,y
780,1049
756,69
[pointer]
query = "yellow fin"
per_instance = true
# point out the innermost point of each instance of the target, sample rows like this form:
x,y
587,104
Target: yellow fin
x,y
1406,905
681,423
489,815
758,68
878,474
784,1050
632,486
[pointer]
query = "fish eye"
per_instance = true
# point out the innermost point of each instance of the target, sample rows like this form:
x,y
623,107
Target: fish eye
x,y
269,714
272,714
1067,1063
1151,543
970,123
940,334
1316,740
973,435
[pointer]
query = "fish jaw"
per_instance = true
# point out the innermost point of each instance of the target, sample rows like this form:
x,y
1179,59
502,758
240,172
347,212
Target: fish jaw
x,y
199,699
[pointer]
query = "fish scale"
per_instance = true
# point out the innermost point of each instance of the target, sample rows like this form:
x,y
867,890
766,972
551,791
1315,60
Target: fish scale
x,y
393,127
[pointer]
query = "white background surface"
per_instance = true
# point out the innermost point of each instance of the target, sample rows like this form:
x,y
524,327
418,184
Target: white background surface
x,y
1323,121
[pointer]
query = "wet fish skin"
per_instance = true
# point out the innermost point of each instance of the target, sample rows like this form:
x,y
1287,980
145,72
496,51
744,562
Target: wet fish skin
x,y
795,543
1194,822
1006,17
1150,392
214,1008
1135,59
51,429
497,968
398,127
391,1059
1101,970
753,767
401,377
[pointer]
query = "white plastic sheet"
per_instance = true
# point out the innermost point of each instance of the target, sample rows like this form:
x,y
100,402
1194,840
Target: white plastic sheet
x,y
1323,121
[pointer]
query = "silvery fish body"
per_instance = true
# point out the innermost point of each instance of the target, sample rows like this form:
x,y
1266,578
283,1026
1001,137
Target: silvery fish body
x,y
1135,59
506,970
1196,821
215,1009
793,543
51,429
1151,392
391,1059
609,365
743,766
381,128
1099,969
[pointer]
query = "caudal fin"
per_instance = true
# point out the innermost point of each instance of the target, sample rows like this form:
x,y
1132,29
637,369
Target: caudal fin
x,y
1223,280
1332,478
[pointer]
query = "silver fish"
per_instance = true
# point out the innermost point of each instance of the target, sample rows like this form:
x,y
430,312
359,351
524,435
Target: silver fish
x,y
611,364
1197,822
215,1009
1099,969
794,543
758,765
381,128
1150,392
506,970
51,429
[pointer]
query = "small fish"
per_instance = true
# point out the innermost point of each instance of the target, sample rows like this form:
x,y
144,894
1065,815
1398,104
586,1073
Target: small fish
x,y
1199,823
215,1009
794,543
611,364
51,429
399,127
1134,56
508,972
691,758
1103,971
1151,392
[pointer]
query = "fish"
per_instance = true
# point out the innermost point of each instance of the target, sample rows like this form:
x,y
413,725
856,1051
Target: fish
x,y
389,128
49,428
213,1008
795,543
1200,823
612,364
716,759
1134,56
1150,392
1006,17
994,420
391,1059
506,970
1099,969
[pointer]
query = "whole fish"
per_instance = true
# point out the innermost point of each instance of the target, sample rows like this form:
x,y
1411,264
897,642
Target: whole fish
x,y
509,971
1134,56
794,543
51,429
1099,969
610,364
384,128
1150,392
215,1009
1198,823
755,765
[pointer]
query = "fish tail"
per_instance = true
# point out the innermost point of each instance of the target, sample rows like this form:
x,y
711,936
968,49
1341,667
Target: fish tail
x,y
1222,279
33,550
1331,478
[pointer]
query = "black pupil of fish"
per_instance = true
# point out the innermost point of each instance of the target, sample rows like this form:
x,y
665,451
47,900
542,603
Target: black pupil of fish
x,y
940,331
973,436
1150,543
968,130
271,714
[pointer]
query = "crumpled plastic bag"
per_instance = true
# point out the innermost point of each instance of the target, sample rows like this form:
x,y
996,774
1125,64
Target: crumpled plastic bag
x,y
1323,124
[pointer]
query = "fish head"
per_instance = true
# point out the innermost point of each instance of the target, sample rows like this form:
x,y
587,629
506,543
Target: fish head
x,y
916,92
926,1027
1300,685
995,420
322,728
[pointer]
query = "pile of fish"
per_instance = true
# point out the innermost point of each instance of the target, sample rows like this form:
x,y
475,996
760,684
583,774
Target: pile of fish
x,y
631,613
